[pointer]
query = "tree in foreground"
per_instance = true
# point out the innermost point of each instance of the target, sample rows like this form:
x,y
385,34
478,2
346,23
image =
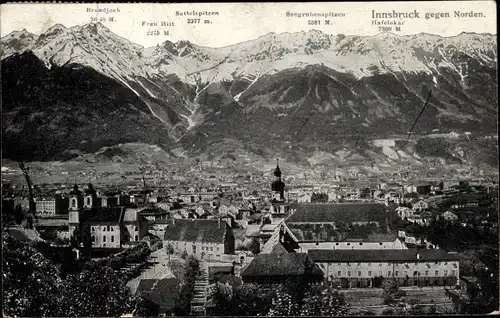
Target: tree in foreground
x,y
31,282
317,301
95,291
33,286
390,292
244,300
186,292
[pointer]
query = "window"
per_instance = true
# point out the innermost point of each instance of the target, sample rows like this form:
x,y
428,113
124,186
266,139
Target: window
x,y
136,228
93,238
104,229
88,201
349,274
369,264
112,228
108,227
436,273
217,248
348,244
337,244
339,273
104,238
211,249
348,264
369,273
426,273
379,264
389,274
396,273
359,273
454,272
112,238
137,237
445,272
93,229
73,203
360,243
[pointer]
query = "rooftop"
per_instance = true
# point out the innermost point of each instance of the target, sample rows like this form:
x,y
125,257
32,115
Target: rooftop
x,y
197,230
338,213
160,291
105,214
282,264
410,255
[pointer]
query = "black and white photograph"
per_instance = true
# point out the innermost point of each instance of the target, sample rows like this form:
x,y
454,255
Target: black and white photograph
x,y
249,159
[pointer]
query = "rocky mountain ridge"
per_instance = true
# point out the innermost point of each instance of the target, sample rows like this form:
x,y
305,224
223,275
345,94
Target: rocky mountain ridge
x,y
305,87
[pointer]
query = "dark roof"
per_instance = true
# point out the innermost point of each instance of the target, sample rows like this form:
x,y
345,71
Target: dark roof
x,y
373,237
90,189
112,214
279,248
339,213
281,264
153,211
197,230
234,281
410,255
160,291
75,191
314,233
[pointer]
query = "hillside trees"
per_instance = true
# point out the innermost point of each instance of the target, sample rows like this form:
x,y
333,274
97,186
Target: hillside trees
x,y
35,286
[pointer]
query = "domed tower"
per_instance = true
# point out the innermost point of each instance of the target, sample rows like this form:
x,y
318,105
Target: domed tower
x,y
278,187
90,197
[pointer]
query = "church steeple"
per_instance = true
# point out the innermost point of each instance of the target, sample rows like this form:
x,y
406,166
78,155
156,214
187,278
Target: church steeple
x,y
278,186
277,171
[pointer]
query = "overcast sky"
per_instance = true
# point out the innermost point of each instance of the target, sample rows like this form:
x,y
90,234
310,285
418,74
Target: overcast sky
x,y
241,22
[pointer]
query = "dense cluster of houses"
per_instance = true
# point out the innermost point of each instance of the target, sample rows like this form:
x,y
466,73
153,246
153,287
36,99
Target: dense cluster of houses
x,y
344,241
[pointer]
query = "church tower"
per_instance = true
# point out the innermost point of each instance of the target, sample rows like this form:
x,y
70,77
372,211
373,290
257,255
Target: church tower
x,y
75,207
90,197
278,187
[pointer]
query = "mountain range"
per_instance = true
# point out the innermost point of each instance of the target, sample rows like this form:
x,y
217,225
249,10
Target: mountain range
x,y
79,89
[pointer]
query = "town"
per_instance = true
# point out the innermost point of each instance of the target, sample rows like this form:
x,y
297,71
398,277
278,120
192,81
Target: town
x,y
211,243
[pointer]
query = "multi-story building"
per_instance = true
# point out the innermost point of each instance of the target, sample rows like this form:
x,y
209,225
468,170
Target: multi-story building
x,y
371,242
277,268
103,226
420,206
203,239
52,205
369,268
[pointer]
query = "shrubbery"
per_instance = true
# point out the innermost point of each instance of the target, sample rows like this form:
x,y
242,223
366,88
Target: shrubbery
x,y
33,285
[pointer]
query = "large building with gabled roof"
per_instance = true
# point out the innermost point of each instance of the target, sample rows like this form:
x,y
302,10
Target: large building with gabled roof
x,y
369,268
203,239
276,268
